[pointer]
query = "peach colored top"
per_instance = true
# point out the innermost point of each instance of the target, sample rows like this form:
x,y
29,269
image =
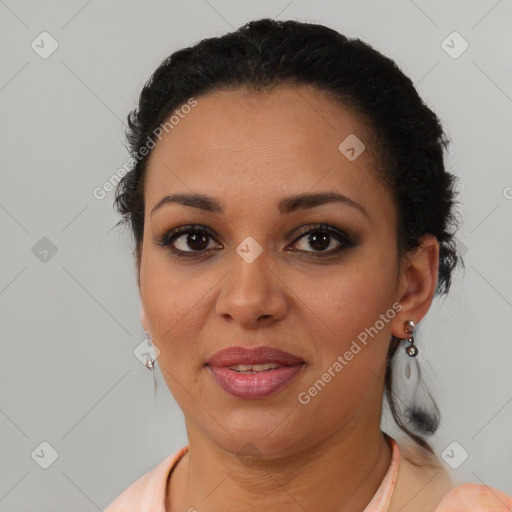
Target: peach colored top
x,y
147,494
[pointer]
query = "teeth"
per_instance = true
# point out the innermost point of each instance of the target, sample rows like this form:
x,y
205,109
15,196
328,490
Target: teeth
x,y
249,368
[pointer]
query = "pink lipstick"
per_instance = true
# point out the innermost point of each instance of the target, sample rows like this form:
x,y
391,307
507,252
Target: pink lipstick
x,y
256,372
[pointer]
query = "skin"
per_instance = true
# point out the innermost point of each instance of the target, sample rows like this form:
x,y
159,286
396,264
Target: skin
x,y
250,150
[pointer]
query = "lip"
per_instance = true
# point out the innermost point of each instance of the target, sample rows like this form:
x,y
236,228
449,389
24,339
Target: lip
x,y
254,385
254,355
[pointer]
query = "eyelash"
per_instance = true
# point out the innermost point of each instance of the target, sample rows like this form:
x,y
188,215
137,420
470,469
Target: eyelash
x,y
347,237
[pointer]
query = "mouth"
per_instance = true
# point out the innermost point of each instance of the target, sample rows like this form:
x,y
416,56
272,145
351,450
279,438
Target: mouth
x,y
252,373
254,368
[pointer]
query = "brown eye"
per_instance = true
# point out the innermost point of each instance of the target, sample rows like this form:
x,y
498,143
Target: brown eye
x,y
321,237
188,239
318,240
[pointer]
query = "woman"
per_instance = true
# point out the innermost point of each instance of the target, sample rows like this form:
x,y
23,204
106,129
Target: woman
x,y
293,221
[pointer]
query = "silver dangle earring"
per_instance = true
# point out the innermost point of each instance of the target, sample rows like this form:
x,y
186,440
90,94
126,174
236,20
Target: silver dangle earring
x,y
413,401
150,362
411,349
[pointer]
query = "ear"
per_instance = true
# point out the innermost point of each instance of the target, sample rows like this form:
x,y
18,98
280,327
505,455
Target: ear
x,y
144,321
417,283
143,317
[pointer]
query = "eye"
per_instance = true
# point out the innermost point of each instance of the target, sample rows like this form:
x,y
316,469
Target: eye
x,y
320,238
193,237
195,240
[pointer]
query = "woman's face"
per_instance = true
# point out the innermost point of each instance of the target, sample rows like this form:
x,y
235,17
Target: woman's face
x,y
258,278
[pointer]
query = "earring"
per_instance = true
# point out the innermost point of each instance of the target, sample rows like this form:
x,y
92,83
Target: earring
x,y
150,362
413,403
411,349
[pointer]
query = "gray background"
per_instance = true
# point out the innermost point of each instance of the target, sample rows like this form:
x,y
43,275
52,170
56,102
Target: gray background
x,y
70,320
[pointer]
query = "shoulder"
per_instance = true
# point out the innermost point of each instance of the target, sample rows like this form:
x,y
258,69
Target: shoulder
x,y
423,484
147,494
473,497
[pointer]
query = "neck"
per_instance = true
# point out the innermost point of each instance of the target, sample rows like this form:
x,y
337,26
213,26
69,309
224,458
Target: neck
x,y
341,474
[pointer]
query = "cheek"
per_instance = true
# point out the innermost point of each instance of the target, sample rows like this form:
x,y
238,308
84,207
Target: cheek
x,y
176,303
351,317
351,299
351,354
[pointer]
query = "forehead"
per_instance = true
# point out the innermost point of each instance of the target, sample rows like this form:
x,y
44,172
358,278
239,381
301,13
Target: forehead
x,y
301,116
286,139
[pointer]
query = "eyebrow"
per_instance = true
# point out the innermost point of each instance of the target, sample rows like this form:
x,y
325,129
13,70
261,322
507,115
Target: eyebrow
x,y
286,205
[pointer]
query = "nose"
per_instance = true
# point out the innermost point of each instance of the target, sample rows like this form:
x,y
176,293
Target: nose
x,y
252,294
